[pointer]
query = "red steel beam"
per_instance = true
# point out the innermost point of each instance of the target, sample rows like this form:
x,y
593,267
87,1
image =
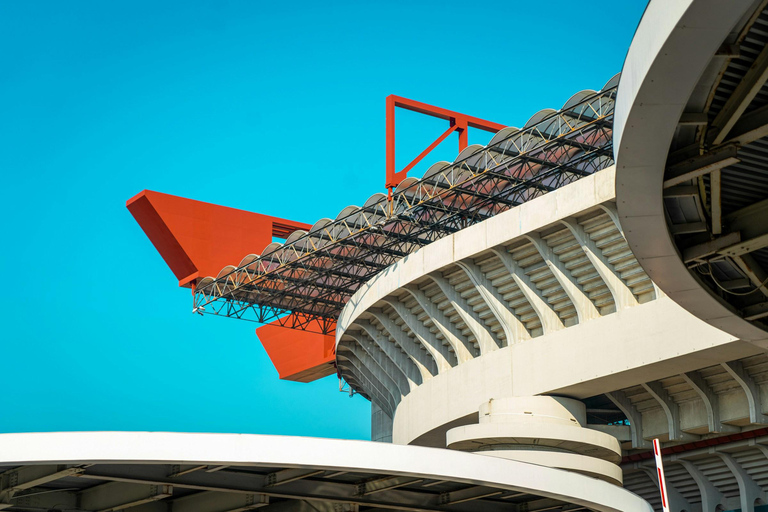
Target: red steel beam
x,y
198,239
458,122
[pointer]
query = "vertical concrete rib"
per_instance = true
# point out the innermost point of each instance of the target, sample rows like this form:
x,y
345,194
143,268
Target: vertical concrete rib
x,y
414,350
387,366
711,497
443,357
381,425
481,332
514,330
610,209
368,382
710,399
585,308
751,389
377,371
670,408
412,369
461,347
677,501
622,294
749,491
621,401
549,319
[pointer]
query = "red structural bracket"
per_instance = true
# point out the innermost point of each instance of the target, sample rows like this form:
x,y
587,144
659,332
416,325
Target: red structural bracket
x,y
458,123
198,239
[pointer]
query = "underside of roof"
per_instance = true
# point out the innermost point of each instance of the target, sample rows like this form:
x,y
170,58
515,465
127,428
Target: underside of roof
x,y
716,182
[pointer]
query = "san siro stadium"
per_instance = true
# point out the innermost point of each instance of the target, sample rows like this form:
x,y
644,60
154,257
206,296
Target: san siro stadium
x,y
524,320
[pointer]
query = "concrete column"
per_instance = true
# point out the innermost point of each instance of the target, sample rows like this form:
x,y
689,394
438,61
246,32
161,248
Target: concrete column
x,y
544,430
381,425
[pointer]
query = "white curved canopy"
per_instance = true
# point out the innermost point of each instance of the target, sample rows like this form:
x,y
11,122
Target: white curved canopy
x,y
100,454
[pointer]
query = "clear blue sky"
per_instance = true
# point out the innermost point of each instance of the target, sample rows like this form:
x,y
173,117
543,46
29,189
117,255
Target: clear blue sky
x,y
275,107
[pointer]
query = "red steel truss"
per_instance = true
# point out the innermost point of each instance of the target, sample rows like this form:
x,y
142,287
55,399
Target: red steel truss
x,y
459,123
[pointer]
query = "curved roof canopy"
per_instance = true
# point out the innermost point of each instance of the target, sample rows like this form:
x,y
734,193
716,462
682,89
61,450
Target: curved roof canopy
x,y
161,472
305,282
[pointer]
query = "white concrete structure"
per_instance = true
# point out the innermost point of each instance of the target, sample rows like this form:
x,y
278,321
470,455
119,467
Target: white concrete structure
x,y
158,472
554,297
526,361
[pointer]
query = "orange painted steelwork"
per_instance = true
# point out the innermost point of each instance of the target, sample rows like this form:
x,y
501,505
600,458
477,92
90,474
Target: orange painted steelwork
x,y
198,239
458,123
300,356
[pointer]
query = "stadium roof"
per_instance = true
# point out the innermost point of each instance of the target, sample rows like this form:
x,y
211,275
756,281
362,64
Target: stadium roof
x,y
304,283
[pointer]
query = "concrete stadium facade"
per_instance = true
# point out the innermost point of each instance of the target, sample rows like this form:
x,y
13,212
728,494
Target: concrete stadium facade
x,y
525,362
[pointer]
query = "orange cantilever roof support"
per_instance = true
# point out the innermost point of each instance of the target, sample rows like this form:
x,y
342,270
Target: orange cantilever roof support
x,y
198,239
458,123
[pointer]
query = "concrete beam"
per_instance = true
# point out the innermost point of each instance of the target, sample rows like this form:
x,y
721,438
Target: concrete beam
x,y
180,469
514,330
677,502
482,333
549,319
755,311
716,202
415,350
693,119
444,358
462,348
311,506
688,228
711,496
671,410
700,252
387,402
622,294
393,387
585,308
621,401
711,402
411,366
749,491
315,491
751,221
395,373
375,358
751,390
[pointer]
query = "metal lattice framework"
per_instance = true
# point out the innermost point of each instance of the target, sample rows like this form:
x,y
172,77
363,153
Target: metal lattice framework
x,y
304,283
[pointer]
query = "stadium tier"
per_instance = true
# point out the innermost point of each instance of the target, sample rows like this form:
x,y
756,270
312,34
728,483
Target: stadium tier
x,y
527,321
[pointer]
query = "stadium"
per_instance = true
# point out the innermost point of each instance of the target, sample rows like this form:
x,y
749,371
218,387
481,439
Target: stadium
x,y
524,320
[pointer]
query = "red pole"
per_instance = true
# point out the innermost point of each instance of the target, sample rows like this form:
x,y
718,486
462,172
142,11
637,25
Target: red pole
x,y
390,142
463,133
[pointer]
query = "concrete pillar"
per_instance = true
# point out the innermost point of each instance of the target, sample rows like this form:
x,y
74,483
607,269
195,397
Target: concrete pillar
x,y
381,425
544,430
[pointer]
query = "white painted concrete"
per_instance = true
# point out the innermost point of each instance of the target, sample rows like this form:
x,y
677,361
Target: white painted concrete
x,y
673,45
545,430
302,452
646,342
531,216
